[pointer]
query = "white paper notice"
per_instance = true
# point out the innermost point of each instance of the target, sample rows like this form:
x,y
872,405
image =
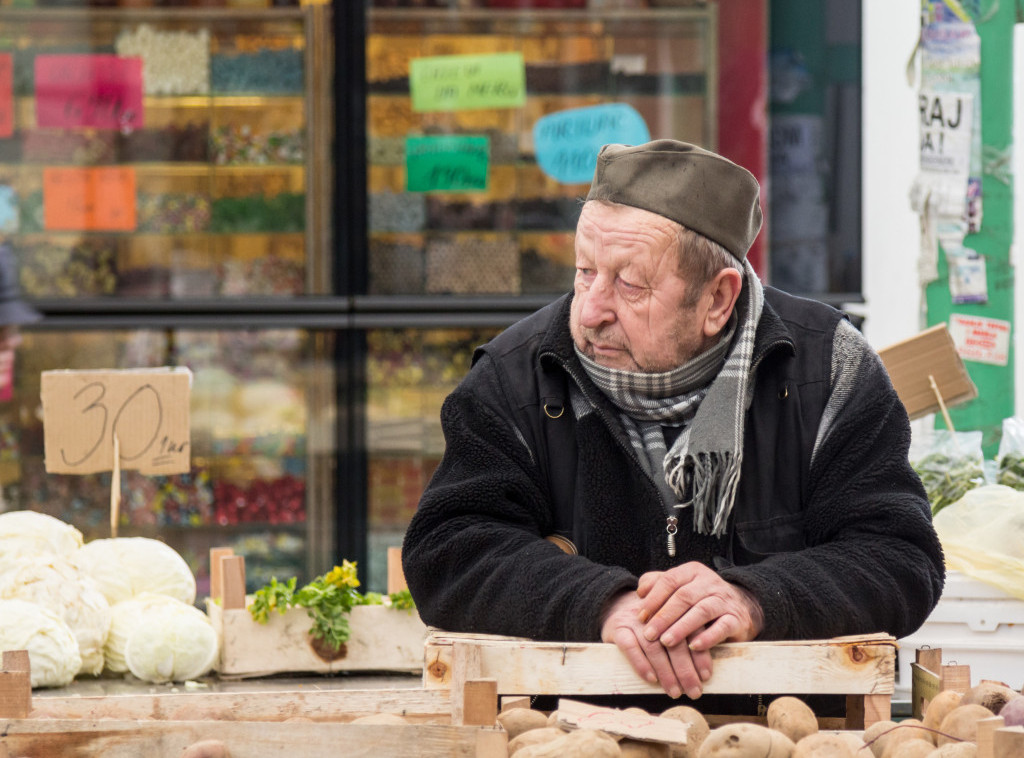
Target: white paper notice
x,y
984,340
945,131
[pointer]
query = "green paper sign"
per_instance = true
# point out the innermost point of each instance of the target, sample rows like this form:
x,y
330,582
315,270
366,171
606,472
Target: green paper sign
x,y
448,163
467,82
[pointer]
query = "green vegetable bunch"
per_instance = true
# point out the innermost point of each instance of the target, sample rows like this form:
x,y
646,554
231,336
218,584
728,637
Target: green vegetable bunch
x,y
946,478
1011,470
328,600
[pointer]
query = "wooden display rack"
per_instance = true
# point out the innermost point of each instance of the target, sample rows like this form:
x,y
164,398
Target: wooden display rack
x,y
315,723
382,638
862,668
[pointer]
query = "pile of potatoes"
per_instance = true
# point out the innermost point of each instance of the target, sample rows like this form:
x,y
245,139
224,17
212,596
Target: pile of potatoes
x,y
948,729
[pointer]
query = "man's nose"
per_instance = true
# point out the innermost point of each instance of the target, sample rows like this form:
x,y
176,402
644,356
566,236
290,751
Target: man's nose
x,y
598,305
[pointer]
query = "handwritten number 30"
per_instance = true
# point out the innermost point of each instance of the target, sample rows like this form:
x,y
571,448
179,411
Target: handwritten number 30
x,y
97,406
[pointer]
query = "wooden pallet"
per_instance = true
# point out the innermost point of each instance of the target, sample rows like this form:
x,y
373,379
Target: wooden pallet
x,y
317,723
862,668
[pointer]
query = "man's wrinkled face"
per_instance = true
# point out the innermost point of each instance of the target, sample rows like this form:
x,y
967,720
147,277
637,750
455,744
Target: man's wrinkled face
x,y
629,308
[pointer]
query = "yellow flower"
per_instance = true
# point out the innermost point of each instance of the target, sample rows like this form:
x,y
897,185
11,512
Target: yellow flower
x,y
343,575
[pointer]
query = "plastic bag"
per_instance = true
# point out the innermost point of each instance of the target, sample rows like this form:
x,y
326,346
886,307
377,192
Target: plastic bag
x,y
1010,457
982,535
949,464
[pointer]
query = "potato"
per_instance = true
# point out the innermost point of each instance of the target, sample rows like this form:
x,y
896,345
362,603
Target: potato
x,y
955,750
1013,711
581,743
696,732
534,737
745,741
905,730
876,734
961,723
938,707
793,717
918,747
644,749
992,695
384,719
519,720
823,745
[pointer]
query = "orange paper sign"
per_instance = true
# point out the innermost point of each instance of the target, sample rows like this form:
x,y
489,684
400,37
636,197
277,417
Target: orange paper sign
x,y
99,198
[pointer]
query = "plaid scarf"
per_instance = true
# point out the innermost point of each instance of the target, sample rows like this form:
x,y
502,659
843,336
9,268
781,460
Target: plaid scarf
x,y
707,397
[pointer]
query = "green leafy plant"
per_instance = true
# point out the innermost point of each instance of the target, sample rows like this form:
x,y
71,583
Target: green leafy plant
x,y
328,600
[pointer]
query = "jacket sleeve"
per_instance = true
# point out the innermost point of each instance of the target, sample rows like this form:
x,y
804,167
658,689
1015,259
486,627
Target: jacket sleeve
x,y
474,556
873,562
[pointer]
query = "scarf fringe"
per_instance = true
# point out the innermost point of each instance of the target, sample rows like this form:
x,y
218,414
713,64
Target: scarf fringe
x,y
715,479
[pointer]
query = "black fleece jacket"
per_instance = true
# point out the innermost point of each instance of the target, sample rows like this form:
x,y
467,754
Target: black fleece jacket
x,y
831,530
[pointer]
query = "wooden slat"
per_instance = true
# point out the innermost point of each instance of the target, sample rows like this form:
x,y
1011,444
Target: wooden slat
x,y
415,704
232,569
480,702
15,684
860,665
1009,742
985,738
168,739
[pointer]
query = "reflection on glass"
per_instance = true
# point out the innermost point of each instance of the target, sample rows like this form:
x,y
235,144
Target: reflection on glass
x,y
409,374
255,449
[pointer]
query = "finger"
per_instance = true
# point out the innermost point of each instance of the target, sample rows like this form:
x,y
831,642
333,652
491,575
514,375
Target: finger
x,y
702,663
685,671
647,581
687,579
630,646
725,628
678,612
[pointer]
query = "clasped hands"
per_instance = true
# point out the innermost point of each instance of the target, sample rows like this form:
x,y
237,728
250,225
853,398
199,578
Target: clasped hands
x,y
668,626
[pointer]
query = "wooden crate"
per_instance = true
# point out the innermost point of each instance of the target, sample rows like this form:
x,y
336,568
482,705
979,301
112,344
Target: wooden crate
x,y
862,668
382,638
315,724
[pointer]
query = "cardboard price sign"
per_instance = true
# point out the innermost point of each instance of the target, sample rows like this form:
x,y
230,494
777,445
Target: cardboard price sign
x,y
142,413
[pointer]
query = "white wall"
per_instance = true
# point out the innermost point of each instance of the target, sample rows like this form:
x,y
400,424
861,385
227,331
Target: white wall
x,y
891,232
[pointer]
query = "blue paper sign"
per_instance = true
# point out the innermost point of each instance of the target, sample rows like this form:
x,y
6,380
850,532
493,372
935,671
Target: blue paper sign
x,y
566,143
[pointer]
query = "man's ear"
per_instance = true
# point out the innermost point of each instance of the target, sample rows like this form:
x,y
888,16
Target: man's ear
x,y
724,291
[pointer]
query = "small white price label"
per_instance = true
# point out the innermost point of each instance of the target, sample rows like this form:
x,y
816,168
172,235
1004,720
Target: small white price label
x,y
145,410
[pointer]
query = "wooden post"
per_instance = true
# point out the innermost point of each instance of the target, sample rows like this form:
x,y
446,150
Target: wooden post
x,y
15,685
986,734
956,678
1009,742
480,702
930,658
233,577
396,577
466,667
217,571
864,710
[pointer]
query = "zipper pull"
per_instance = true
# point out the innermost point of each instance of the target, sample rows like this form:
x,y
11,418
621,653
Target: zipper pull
x,y
671,528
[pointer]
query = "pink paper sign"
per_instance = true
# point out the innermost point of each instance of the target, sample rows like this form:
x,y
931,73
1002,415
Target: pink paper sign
x,y
95,90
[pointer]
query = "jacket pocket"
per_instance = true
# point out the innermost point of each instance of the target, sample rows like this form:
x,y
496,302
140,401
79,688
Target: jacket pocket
x,y
779,534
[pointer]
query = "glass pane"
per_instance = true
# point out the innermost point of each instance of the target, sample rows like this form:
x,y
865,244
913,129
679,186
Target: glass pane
x,y
507,229
262,441
186,177
409,374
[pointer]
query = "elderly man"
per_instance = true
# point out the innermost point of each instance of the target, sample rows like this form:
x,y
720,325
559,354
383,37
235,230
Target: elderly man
x,y
673,456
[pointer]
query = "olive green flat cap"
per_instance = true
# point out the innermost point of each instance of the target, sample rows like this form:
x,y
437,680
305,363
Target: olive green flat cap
x,y
699,189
